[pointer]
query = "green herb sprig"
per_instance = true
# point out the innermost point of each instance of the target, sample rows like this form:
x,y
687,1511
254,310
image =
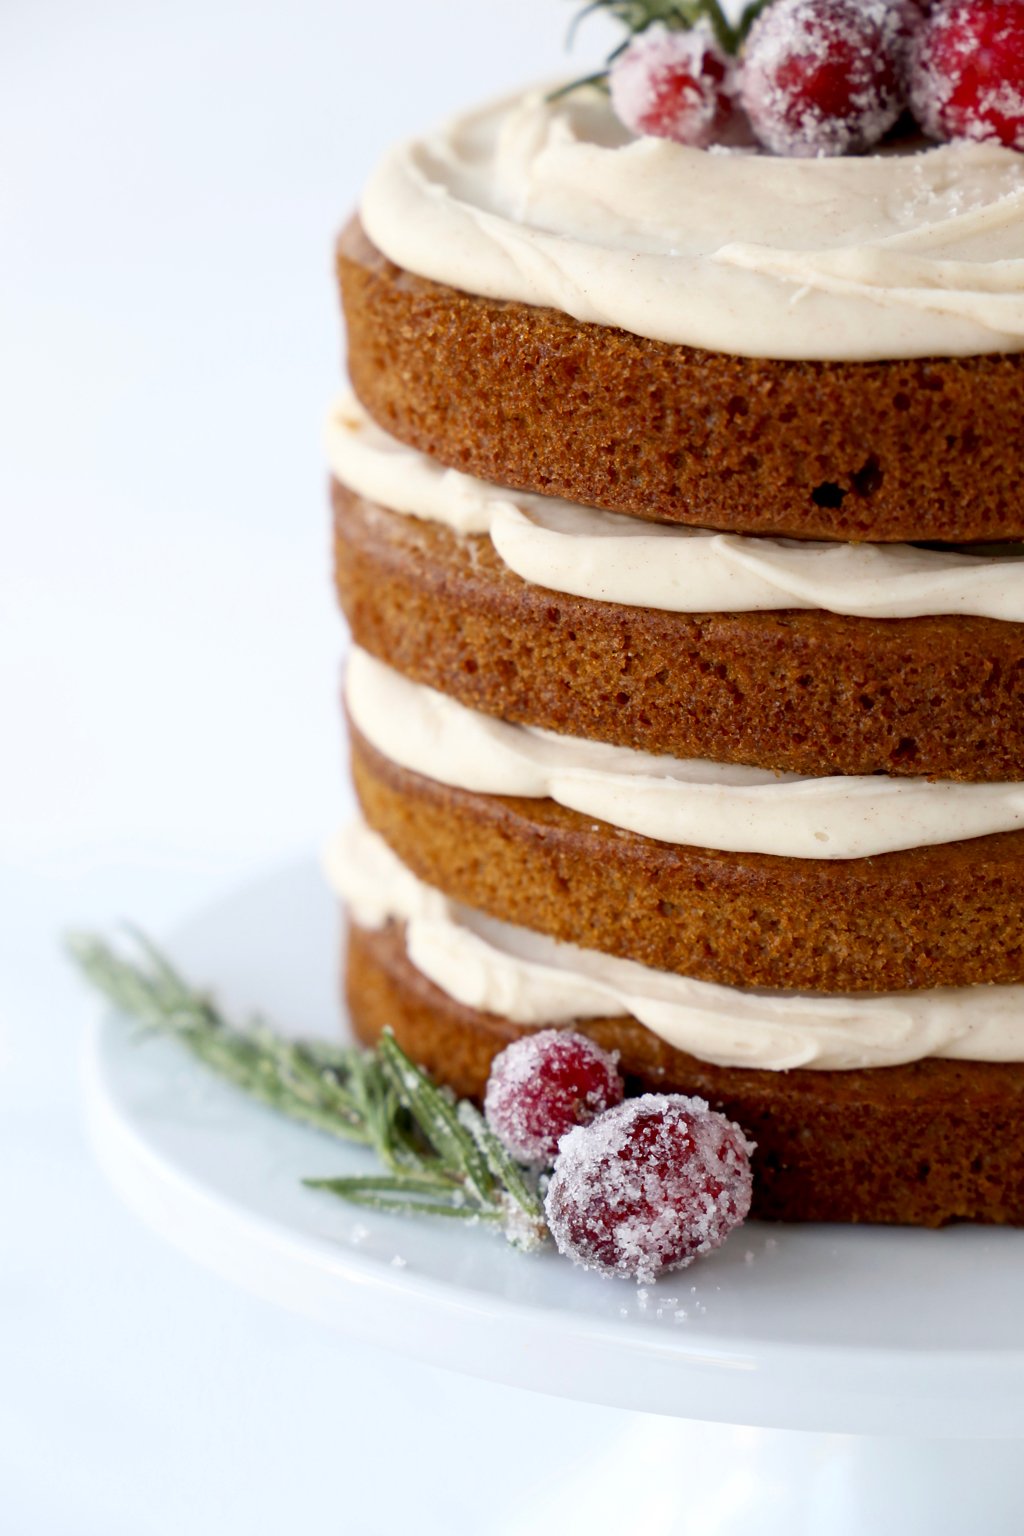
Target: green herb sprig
x,y
438,1154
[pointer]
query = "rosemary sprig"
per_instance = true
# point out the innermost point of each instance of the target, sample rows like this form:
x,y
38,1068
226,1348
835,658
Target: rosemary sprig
x,y
676,15
438,1154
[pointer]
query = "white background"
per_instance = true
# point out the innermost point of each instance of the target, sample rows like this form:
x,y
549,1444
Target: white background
x,y
172,176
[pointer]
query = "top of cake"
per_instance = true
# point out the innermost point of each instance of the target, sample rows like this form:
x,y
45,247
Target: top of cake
x,y
913,250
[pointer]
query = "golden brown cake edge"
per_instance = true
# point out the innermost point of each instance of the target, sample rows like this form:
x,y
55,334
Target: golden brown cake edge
x,y
923,1144
915,449
951,915
807,692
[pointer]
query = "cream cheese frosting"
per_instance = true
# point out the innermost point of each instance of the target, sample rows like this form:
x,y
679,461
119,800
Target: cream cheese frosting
x,y
610,558
891,255
688,802
529,978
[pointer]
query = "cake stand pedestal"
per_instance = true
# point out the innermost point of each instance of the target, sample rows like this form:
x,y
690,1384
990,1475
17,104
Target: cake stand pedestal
x,y
818,1379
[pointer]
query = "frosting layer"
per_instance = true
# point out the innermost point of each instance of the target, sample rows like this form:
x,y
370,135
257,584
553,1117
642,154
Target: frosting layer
x,y
856,257
693,802
531,979
610,558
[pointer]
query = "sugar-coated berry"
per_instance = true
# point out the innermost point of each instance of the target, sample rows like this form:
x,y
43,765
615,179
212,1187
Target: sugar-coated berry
x,y
967,71
649,1186
543,1085
826,77
673,85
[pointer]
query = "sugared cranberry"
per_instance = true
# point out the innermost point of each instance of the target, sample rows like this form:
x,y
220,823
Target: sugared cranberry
x,y
544,1084
825,77
673,85
649,1186
967,71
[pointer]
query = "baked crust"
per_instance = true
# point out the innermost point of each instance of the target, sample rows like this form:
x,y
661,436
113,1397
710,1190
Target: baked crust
x,y
808,692
923,1144
528,397
927,917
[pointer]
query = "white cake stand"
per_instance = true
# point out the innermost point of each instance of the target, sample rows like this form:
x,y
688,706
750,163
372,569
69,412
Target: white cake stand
x,y
888,1346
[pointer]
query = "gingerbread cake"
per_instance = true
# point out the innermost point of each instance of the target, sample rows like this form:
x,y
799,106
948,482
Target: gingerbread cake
x,y
677,519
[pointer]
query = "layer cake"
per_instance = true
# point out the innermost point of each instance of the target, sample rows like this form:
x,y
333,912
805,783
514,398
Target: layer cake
x,y
674,519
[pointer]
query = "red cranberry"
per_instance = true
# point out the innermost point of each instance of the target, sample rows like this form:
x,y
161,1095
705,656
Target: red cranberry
x,y
967,73
673,85
649,1186
544,1084
825,77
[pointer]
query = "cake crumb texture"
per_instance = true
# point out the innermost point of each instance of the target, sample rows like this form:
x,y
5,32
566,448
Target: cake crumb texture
x,y
918,449
924,1144
950,915
807,692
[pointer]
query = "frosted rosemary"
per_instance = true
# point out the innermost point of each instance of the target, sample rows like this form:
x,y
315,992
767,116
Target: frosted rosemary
x,y
438,1155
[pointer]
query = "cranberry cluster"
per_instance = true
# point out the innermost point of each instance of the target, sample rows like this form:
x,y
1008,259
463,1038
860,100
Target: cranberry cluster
x,y
639,1186
831,77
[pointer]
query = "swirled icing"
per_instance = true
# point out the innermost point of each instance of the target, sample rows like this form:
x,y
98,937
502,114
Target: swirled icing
x,y
891,255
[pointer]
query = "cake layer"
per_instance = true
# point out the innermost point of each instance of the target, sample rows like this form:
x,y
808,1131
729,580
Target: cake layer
x,y
529,978
689,801
807,692
951,915
586,552
923,1144
913,449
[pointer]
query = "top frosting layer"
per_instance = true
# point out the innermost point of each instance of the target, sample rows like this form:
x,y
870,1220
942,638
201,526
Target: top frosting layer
x,y
553,203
